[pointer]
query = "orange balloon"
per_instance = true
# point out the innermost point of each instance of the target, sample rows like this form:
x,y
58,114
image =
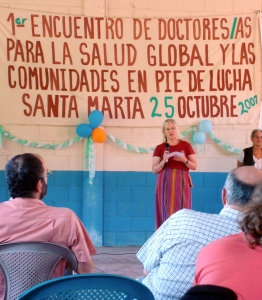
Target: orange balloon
x,y
98,135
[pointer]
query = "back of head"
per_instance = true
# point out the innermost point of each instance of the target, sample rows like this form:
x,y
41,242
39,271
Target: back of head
x,y
22,173
240,185
209,292
251,219
257,195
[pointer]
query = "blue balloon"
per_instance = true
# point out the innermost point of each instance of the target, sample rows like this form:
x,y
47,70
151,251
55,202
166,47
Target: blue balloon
x,y
205,126
199,138
95,118
84,130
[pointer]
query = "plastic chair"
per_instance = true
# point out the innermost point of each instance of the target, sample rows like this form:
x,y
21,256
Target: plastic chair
x,y
26,264
89,287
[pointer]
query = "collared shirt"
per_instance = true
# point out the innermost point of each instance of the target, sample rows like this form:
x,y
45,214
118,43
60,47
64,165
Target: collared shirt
x,y
170,253
30,220
231,263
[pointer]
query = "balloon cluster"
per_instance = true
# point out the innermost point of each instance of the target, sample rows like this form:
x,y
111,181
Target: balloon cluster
x,y
200,137
98,134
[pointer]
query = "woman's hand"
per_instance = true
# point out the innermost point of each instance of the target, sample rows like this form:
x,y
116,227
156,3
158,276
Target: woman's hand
x,y
183,159
158,164
165,156
190,161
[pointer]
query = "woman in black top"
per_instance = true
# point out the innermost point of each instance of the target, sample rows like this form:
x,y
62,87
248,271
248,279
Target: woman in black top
x,y
252,156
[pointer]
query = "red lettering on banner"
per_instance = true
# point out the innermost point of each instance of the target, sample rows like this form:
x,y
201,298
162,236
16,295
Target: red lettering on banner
x,y
122,107
206,106
55,106
230,80
25,51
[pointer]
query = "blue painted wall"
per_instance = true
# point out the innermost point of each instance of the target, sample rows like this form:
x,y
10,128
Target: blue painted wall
x,y
118,209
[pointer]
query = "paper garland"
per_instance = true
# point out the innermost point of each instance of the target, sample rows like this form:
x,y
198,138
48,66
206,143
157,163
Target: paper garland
x,y
90,158
36,144
129,147
225,146
90,150
115,140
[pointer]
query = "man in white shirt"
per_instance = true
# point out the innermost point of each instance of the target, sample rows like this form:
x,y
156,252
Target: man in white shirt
x,y
169,256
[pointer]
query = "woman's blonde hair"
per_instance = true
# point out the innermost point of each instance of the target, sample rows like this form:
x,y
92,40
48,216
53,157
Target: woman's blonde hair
x,y
164,127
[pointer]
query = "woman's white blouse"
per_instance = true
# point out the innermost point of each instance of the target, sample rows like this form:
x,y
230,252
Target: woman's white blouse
x,y
258,162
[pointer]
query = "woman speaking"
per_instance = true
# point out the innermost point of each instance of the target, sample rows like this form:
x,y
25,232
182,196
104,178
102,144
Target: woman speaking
x,y
172,161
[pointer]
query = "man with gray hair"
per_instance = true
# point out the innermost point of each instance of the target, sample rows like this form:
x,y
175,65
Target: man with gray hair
x,y
169,256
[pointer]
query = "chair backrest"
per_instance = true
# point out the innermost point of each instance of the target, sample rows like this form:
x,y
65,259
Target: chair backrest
x,y
26,264
89,286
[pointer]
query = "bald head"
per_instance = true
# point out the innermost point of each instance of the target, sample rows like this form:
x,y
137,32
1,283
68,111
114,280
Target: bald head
x,y
248,174
240,185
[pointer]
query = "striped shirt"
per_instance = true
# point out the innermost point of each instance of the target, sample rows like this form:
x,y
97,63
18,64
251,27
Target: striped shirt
x,y
170,253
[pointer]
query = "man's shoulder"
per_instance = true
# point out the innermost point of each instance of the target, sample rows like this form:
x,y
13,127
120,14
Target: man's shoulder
x,y
189,213
61,211
188,216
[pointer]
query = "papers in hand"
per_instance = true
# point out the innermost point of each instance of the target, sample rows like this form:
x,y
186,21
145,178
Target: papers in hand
x,y
175,153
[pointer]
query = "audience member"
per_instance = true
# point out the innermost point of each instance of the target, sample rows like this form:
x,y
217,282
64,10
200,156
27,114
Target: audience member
x,y
169,256
26,218
252,156
235,261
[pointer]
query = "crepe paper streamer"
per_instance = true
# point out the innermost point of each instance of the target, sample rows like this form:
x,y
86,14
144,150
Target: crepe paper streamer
x,y
121,144
225,146
189,130
39,145
89,159
1,131
129,147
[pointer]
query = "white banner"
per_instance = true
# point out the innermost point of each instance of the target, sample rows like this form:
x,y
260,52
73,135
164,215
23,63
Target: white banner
x,y
56,69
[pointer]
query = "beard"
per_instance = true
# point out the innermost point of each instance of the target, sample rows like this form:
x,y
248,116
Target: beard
x,y
44,190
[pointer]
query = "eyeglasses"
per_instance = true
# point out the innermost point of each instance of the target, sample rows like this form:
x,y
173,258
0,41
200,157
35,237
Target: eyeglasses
x,y
172,128
48,173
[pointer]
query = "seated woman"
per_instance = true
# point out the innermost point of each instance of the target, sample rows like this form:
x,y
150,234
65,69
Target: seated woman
x,y
252,156
235,261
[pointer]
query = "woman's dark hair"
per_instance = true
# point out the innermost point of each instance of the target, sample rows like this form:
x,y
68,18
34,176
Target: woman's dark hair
x,y
22,173
251,225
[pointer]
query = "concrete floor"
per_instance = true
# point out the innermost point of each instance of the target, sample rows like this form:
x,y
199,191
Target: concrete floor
x,y
118,260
